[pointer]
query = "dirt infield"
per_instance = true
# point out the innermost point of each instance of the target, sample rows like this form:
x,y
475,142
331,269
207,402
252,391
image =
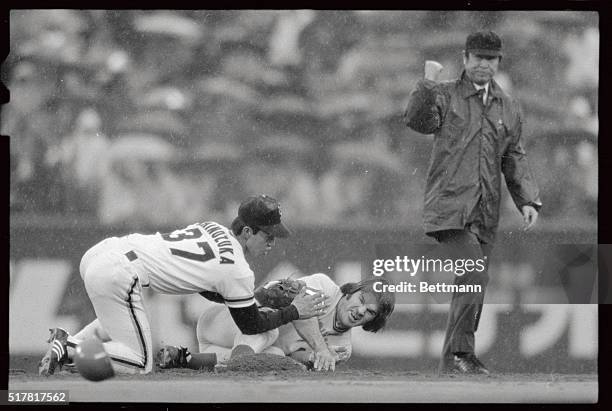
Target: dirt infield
x,y
346,385
263,363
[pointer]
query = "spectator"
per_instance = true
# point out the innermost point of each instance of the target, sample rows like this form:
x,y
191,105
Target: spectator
x,y
138,176
31,122
351,189
280,172
84,156
290,157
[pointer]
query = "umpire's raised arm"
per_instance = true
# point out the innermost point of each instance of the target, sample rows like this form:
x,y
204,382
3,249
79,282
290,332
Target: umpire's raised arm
x,y
424,110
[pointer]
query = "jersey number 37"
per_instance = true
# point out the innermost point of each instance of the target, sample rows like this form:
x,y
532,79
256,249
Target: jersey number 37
x,y
186,237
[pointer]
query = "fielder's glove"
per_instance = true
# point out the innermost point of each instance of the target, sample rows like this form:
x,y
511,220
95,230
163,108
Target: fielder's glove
x,y
172,357
278,293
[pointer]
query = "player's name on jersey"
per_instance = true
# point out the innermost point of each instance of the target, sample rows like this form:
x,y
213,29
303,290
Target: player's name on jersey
x,y
223,242
426,287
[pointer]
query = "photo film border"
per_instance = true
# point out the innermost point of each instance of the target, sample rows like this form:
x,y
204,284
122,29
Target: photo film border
x,y
516,273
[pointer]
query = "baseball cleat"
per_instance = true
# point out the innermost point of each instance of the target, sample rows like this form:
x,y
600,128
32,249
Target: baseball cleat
x,y
57,354
469,364
172,357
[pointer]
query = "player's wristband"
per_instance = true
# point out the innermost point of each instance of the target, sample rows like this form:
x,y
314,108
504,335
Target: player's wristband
x,y
292,312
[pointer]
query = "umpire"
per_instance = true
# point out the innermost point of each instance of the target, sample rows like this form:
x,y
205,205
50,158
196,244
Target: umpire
x,y
477,136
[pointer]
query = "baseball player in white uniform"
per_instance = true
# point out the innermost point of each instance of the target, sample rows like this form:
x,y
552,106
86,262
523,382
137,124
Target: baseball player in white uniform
x,y
322,341
205,258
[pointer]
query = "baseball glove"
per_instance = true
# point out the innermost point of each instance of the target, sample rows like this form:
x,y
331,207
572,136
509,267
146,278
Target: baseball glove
x,y
278,293
172,357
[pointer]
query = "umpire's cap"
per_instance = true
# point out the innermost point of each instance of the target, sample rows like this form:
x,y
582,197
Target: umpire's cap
x,y
485,43
263,212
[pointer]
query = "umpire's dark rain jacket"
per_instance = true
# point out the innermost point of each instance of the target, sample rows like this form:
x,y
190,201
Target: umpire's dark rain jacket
x,y
473,145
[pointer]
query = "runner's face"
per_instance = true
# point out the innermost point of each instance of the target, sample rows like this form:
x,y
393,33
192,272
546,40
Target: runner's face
x,y
357,309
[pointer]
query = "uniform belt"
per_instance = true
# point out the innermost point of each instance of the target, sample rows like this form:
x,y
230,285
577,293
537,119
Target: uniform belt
x,y
131,255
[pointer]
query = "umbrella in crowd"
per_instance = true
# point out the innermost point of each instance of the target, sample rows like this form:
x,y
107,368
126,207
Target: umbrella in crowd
x,y
566,19
141,147
393,55
372,105
51,35
169,24
443,42
250,26
170,98
284,145
247,63
289,104
156,121
214,151
211,157
367,155
223,86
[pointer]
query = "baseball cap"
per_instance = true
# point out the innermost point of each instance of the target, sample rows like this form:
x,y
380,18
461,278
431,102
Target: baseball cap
x,y
486,43
263,212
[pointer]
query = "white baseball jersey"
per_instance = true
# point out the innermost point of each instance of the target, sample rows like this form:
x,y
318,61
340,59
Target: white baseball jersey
x,y
290,341
203,257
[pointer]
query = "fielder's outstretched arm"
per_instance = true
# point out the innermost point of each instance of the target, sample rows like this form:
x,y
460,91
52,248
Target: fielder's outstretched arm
x,y
250,320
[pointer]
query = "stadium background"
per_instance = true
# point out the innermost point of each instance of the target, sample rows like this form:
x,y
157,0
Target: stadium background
x,y
125,121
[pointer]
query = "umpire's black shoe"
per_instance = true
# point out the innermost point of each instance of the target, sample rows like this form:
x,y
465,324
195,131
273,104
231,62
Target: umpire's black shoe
x,y
469,364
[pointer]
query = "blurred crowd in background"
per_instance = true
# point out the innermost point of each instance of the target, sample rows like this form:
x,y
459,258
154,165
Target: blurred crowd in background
x,y
169,117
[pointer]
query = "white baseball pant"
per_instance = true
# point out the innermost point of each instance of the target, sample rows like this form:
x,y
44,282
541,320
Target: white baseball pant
x,y
110,273
218,333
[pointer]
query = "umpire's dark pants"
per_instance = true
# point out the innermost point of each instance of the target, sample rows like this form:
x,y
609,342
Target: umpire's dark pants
x,y
466,307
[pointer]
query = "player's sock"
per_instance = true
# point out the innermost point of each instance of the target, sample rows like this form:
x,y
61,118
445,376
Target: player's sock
x,y
241,350
201,361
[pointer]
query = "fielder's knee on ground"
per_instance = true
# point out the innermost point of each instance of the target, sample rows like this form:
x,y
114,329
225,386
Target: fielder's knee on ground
x,y
116,295
126,360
